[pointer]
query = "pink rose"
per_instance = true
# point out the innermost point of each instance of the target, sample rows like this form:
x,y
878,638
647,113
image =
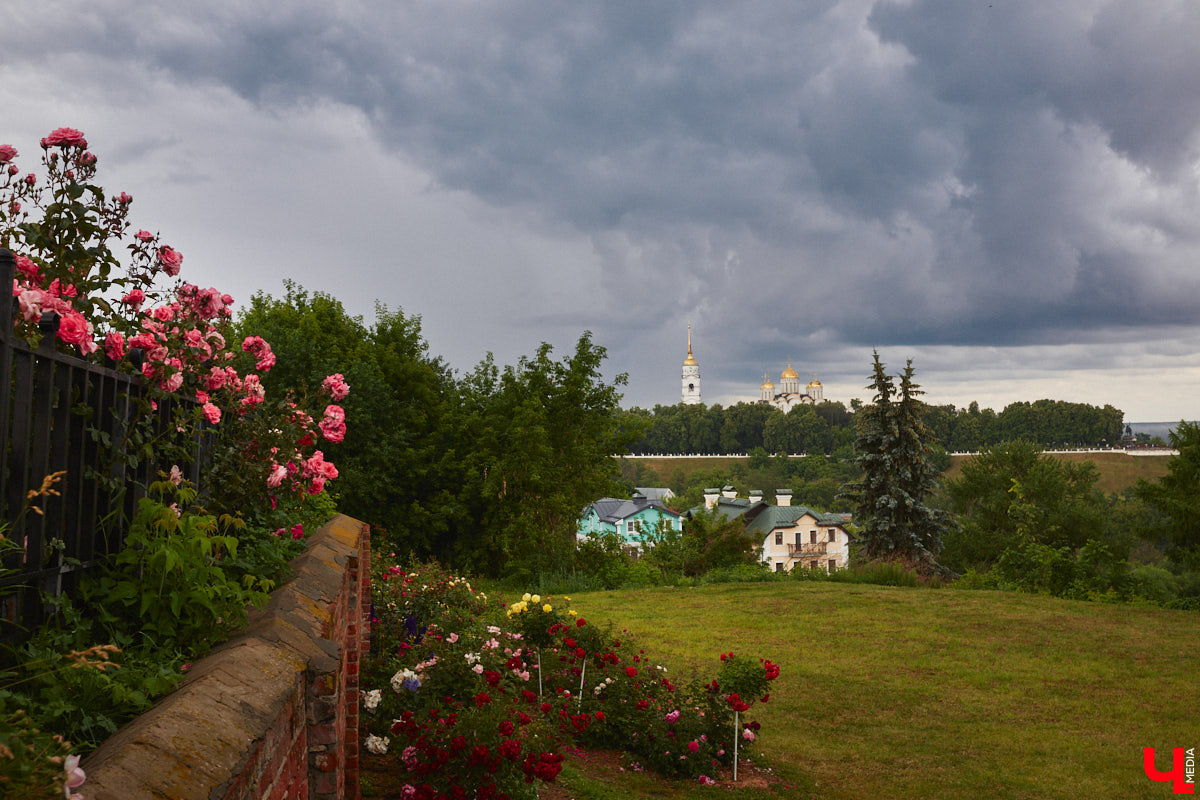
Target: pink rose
x,y
333,426
65,137
215,379
29,302
144,236
253,390
278,473
164,313
297,531
114,345
336,386
31,179
29,270
74,328
170,259
7,153
211,413
124,199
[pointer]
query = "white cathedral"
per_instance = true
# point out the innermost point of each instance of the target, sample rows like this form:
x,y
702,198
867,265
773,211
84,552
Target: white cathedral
x,y
788,397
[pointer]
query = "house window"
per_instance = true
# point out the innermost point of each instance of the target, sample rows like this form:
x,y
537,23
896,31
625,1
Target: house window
x,y
832,564
832,535
814,564
779,537
779,567
812,537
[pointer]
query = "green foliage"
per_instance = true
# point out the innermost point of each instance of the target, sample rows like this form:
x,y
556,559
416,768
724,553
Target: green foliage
x,y
1177,497
30,758
829,426
541,435
881,573
710,541
894,455
1014,487
168,583
501,696
401,407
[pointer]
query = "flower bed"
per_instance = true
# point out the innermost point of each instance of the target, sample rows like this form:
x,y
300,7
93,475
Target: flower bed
x,y
477,698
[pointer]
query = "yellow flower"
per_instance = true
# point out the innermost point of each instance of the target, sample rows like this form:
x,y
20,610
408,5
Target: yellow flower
x,y
537,598
567,599
571,612
526,597
547,608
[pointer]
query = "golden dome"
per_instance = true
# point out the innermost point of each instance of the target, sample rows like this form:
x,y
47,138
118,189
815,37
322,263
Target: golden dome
x,y
767,383
814,381
789,373
691,362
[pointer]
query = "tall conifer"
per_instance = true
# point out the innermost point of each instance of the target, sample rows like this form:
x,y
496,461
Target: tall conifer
x,y
892,449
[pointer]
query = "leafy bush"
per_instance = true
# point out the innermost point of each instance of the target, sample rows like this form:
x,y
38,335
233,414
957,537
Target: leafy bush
x,y
882,573
742,573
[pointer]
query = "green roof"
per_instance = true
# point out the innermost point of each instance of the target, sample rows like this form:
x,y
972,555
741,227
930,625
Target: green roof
x,y
774,517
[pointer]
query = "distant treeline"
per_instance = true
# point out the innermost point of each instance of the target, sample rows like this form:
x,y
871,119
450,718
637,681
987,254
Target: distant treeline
x,y
829,427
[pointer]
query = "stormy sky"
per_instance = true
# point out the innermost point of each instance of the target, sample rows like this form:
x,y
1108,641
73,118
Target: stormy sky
x,y
1005,192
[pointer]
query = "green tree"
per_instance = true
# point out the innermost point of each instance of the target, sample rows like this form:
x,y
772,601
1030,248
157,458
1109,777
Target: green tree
x,y
398,469
1176,496
894,455
1013,487
542,436
710,540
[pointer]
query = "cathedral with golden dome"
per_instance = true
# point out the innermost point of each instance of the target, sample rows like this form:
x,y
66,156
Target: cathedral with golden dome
x,y
790,395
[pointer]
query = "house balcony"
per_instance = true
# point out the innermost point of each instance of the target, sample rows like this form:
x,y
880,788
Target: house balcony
x,y
809,549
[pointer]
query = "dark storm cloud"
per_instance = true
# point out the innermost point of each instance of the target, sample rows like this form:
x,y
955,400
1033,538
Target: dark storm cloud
x,y
791,175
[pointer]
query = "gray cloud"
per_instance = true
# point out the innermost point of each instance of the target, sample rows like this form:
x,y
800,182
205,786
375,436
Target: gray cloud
x,y
803,179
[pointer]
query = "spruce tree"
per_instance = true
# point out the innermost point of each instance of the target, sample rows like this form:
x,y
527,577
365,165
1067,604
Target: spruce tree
x,y
892,450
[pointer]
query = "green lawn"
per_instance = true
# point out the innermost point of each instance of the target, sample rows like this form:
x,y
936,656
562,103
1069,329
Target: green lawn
x,y
919,693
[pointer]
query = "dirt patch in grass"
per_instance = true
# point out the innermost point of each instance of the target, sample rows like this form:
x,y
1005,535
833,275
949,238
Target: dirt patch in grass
x,y
612,769
384,777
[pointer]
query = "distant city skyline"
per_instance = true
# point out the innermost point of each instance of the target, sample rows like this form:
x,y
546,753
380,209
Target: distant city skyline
x,y
1006,193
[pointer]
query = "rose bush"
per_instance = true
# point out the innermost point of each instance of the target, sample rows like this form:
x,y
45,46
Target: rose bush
x,y
117,298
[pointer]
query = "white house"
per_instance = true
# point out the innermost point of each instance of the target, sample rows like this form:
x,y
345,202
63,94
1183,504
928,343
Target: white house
x,y
798,536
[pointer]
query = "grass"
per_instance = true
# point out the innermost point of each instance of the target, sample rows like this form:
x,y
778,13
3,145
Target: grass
x,y
917,693
1118,471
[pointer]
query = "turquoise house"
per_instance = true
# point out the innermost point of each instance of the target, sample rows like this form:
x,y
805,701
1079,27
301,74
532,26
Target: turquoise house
x,y
630,519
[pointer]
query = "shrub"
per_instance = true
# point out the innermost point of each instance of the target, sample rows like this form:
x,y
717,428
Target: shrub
x,y
483,701
880,573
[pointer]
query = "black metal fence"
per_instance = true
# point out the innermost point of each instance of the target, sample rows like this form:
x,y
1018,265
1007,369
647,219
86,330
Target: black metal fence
x,y
64,415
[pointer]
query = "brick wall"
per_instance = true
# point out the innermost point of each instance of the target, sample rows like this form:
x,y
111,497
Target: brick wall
x,y
271,714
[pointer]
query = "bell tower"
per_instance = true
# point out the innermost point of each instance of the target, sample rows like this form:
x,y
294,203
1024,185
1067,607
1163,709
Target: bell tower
x,y
690,376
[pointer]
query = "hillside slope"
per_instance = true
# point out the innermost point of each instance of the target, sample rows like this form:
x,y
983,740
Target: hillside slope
x,y
920,693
